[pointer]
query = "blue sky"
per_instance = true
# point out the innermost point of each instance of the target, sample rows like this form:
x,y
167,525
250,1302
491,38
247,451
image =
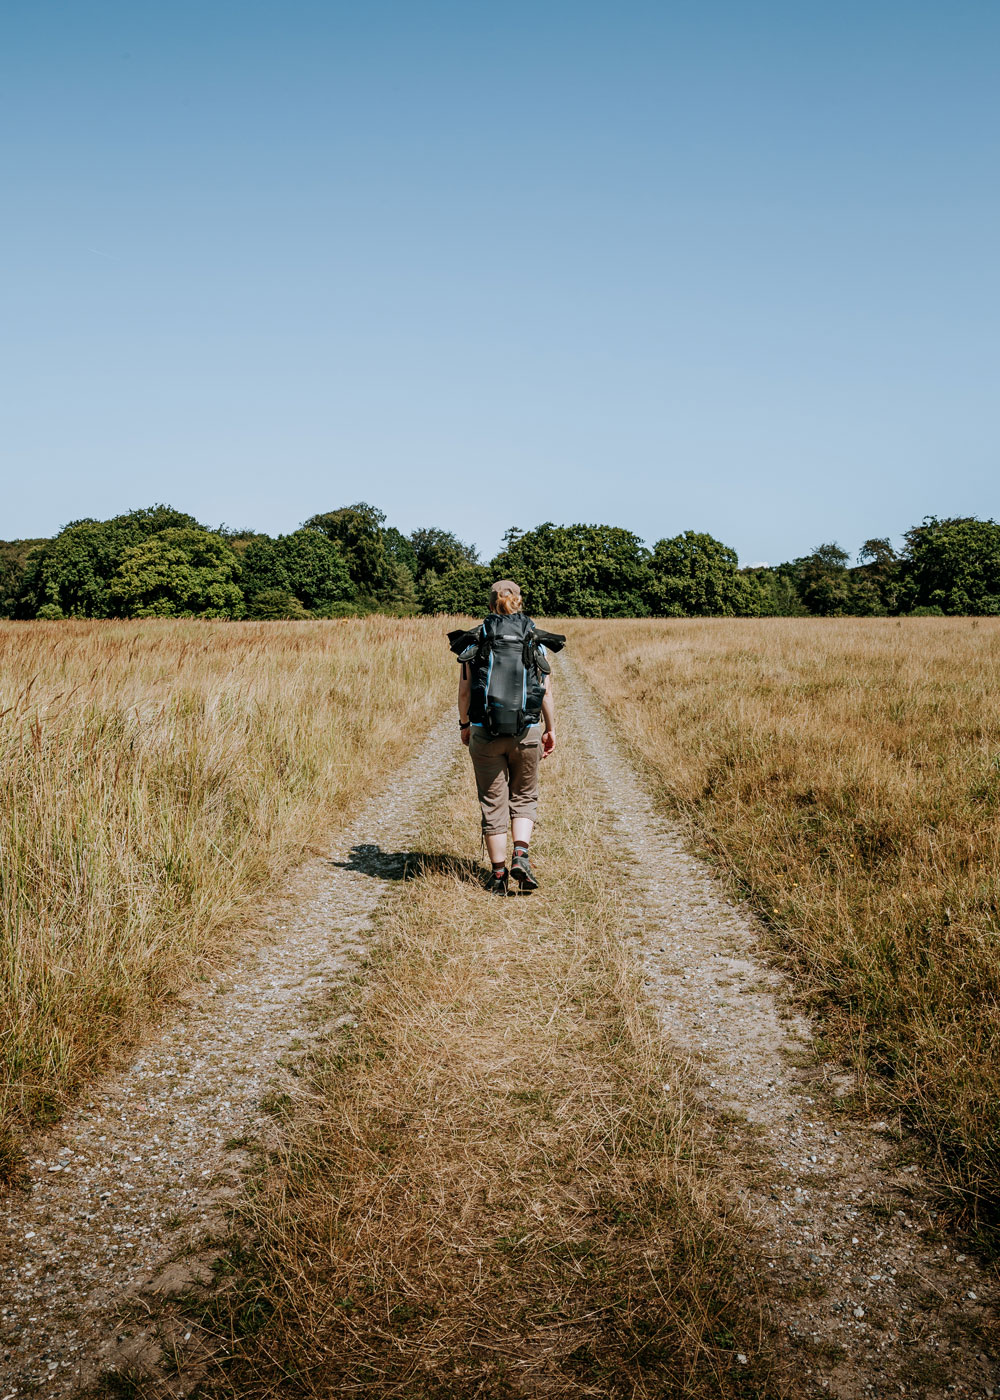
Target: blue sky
x,y
721,266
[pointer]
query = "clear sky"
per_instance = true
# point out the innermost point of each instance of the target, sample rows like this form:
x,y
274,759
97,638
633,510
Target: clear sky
x,y
704,264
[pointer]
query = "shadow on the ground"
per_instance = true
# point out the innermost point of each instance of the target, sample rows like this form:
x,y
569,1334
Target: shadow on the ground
x,y
368,859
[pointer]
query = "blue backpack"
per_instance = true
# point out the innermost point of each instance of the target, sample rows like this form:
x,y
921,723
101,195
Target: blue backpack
x,y
509,666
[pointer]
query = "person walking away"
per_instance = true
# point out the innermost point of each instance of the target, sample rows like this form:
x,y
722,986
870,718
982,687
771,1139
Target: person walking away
x,y
506,717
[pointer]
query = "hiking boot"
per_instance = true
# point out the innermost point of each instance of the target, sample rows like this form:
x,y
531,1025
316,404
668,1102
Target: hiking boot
x,y
498,884
521,871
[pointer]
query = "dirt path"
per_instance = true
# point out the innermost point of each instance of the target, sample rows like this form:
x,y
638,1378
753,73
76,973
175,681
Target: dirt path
x,y
127,1193
874,1297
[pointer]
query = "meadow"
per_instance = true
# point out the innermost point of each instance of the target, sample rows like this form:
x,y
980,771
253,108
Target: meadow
x,y
159,778
847,773
156,780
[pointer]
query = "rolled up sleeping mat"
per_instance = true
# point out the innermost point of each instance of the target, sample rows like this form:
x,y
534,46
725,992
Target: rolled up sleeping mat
x,y
460,640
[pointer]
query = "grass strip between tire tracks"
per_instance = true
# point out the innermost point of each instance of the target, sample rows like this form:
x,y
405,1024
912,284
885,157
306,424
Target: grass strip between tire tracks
x,y
491,1185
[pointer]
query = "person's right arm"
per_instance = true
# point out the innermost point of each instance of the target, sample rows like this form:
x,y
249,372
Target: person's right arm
x,y
464,700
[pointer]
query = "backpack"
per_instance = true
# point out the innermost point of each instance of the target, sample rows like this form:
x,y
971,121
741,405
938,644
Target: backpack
x,y
509,666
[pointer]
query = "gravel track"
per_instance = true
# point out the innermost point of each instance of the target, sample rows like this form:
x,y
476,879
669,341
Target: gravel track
x,y
872,1294
127,1189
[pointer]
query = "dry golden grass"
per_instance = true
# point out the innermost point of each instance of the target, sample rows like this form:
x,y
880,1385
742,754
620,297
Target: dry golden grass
x,y
155,779
484,1190
849,773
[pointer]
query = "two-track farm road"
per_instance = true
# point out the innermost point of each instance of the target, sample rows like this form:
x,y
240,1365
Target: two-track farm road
x,y
866,1294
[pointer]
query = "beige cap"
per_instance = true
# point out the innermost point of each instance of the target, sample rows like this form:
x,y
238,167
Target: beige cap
x,y
503,585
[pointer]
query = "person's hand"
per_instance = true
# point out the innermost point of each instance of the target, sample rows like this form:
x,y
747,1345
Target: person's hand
x,y
466,735
548,742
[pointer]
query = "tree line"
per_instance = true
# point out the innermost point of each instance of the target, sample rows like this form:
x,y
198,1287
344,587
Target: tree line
x,y
160,562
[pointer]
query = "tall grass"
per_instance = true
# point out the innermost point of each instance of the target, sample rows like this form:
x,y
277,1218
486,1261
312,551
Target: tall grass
x,y
155,779
849,772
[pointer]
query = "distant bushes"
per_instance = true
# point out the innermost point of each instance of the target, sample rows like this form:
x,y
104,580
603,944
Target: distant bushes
x,y
160,562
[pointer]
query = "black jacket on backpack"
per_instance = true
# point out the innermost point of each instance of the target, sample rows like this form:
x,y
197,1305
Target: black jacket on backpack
x,y
509,666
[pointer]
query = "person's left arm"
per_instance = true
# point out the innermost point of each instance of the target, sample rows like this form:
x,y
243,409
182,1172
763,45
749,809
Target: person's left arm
x,y
548,719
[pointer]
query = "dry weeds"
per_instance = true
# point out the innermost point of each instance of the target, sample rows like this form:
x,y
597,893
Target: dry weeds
x,y
488,1187
155,779
848,772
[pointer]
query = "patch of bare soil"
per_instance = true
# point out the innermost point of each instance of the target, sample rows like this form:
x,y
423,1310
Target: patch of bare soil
x,y
126,1198
874,1296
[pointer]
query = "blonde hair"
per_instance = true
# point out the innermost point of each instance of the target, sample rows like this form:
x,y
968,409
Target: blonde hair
x,y
507,602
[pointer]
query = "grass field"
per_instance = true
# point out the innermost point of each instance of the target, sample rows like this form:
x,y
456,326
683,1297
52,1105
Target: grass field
x,y
155,779
848,772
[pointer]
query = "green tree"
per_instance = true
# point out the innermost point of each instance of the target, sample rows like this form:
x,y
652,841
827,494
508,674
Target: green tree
x,y
440,550
14,557
400,550
462,588
358,531
863,596
953,565
305,565
400,593
875,583
773,591
73,571
577,570
276,604
178,573
10,582
316,569
696,575
823,582
262,568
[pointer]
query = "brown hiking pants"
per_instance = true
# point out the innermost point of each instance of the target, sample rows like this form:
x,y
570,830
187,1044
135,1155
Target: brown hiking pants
x,y
506,777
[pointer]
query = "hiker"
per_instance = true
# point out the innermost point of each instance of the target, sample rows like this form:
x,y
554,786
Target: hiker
x,y
506,719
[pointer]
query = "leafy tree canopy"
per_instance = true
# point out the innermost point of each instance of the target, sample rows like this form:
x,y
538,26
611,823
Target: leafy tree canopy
x,y
14,556
315,567
188,572
274,605
400,550
440,550
823,583
875,583
358,530
349,561
696,575
73,571
262,567
773,592
462,588
578,570
953,565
